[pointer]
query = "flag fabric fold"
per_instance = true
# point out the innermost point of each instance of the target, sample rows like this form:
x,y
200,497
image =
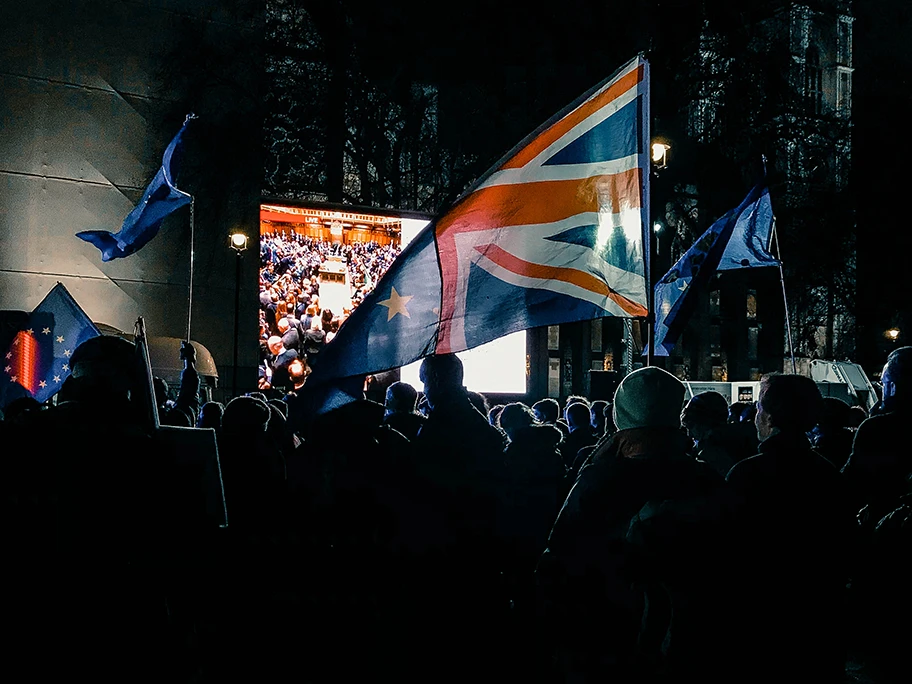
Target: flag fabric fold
x,y
740,239
37,362
553,233
160,199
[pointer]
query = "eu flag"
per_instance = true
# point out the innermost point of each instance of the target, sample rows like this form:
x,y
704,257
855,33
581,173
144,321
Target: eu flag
x,y
553,233
740,239
37,361
160,199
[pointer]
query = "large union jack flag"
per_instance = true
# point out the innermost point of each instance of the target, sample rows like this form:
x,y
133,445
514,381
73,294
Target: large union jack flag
x,y
553,233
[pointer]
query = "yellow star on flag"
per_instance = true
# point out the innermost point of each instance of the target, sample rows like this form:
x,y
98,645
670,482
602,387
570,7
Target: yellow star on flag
x,y
60,338
56,378
42,384
396,305
46,331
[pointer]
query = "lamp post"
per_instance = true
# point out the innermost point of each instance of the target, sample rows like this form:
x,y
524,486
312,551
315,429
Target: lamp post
x,y
238,242
659,148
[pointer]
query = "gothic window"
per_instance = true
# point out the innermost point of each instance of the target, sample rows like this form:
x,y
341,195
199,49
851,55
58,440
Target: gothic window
x,y
844,91
813,83
844,42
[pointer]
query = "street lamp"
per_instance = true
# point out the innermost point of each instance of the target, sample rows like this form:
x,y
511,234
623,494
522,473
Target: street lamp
x,y
892,334
660,153
657,230
238,242
659,149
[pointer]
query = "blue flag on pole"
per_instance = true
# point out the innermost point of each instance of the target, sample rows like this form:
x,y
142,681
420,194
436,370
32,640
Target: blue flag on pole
x,y
553,233
740,239
160,199
37,362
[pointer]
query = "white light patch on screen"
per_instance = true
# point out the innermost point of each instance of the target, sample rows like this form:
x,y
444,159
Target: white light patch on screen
x,y
498,367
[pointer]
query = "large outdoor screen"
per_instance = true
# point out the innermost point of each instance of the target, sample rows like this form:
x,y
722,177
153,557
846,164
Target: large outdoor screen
x,y
318,262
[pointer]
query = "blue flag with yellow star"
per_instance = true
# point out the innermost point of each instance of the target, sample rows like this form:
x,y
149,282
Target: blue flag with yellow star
x,y
396,323
37,361
740,239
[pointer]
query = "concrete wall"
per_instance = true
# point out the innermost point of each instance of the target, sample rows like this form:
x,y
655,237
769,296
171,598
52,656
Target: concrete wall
x,y
90,95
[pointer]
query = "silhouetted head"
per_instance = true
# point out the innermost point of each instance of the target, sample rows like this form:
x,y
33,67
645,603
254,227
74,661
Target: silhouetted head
x,y
597,418
245,415
546,410
578,416
210,415
857,415
737,409
574,399
515,417
105,364
704,412
401,397
441,375
494,415
836,414
19,407
161,390
787,403
896,377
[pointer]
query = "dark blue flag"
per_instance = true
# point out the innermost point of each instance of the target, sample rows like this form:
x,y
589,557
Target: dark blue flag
x,y
37,362
740,239
159,200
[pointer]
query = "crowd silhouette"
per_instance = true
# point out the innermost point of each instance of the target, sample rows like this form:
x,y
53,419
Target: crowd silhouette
x,y
652,538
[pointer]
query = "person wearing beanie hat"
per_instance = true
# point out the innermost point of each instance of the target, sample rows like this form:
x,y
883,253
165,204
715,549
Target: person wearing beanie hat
x,y
648,397
642,525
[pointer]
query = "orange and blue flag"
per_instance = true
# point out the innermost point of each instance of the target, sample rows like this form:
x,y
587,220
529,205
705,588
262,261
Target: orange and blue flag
x,y
553,233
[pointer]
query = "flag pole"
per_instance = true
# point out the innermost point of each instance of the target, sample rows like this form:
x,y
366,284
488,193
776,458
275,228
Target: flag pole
x,y
190,298
647,192
788,324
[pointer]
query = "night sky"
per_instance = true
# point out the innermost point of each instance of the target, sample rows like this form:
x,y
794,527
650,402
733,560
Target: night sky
x,y
565,48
